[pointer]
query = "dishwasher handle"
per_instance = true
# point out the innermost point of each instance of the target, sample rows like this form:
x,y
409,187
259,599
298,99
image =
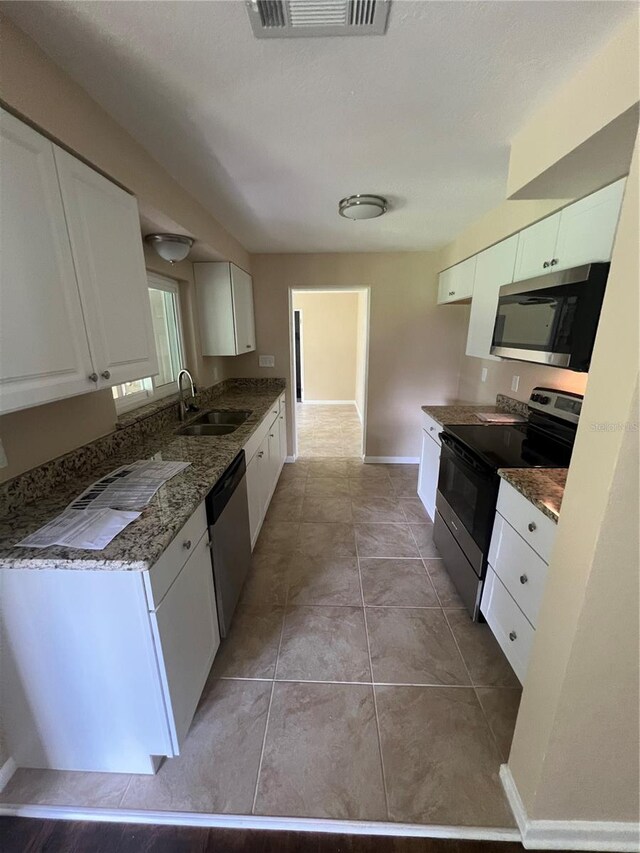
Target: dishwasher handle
x,y
220,494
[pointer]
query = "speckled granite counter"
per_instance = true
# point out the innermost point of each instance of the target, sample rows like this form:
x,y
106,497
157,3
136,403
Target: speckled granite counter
x,y
463,413
140,545
544,487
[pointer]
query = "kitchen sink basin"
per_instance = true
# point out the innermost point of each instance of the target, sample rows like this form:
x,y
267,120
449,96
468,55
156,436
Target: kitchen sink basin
x,y
207,429
223,418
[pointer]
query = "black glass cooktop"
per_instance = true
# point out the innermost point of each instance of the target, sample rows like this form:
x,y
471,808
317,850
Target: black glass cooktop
x,y
511,445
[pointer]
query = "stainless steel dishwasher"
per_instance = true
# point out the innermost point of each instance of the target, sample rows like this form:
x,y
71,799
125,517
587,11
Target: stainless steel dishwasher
x,y
228,518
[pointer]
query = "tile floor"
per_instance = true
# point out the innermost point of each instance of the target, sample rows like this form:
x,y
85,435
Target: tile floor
x,y
352,685
328,430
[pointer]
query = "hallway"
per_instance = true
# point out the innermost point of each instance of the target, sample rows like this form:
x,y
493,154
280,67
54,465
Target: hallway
x,y
328,430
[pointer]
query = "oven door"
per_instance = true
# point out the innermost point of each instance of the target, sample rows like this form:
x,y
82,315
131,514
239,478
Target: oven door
x,y
470,489
551,319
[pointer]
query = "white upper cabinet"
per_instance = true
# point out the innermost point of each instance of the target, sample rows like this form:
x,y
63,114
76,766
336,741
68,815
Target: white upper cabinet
x,y
588,228
104,229
494,268
456,283
44,352
536,247
75,313
225,303
581,233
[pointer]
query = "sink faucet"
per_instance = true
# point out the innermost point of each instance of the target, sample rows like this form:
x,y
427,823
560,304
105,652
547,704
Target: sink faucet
x,y
183,407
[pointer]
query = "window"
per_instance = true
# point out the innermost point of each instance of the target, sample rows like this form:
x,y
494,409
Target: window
x,y
167,330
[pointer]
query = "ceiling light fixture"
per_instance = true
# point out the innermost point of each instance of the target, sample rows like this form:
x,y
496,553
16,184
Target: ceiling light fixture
x,y
362,206
170,247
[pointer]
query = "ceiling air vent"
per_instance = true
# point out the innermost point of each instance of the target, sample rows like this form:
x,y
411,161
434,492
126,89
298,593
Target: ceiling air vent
x,y
299,18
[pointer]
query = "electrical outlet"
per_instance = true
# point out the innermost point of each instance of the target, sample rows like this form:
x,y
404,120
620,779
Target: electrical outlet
x,y
483,375
515,381
267,361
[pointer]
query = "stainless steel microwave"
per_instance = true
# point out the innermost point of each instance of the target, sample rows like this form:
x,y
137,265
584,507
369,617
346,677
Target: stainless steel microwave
x,y
551,319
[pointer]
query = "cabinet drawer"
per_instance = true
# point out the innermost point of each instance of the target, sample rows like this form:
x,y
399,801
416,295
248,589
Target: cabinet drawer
x,y
534,527
163,573
260,434
508,624
431,427
520,569
281,403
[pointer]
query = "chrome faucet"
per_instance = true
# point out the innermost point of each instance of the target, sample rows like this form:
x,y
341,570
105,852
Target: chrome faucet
x,y
183,407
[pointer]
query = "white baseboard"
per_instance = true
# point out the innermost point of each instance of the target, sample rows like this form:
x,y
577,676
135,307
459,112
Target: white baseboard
x,y
394,460
290,459
6,772
349,827
331,403
597,835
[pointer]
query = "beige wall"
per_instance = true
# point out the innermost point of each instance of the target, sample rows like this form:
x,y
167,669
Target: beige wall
x,y
414,346
329,344
575,750
39,91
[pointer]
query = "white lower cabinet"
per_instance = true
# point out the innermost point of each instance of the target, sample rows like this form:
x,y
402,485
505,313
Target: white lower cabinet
x,y
520,546
429,463
264,464
111,679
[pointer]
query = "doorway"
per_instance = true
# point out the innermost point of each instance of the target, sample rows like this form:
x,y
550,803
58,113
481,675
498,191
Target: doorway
x,y
329,331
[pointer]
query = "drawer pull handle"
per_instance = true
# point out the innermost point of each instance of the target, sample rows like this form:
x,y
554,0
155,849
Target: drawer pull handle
x,y
513,636
260,454
532,526
431,429
523,579
186,544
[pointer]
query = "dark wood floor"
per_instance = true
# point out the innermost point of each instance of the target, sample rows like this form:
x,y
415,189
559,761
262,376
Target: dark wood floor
x,y
25,835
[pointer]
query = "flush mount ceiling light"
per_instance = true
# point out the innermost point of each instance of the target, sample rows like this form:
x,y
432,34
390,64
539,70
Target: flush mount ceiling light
x,y
170,247
362,206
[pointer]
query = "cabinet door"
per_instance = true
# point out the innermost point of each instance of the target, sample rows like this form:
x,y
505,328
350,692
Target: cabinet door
x,y
283,435
456,283
536,247
242,288
104,228
588,228
273,437
428,473
494,268
44,352
254,497
187,628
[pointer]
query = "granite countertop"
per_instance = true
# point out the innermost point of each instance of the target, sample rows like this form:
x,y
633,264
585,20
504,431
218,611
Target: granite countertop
x,y
140,545
458,413
544,487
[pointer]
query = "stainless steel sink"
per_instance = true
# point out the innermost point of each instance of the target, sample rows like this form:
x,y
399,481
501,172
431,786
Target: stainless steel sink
x,y
207,429
223,418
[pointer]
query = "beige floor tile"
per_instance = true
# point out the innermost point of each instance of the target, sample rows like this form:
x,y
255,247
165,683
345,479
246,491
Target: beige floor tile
x,y
323,539
423,534
328,468
485,660
402,583
277,537
440,761
372,509
414,510
401,470
290,488
65,788
370,487
385,540
321,755
326,508
444,586
413,646
251,649
358,469
285,506
267,580
324,580
500,706
217,768
327,486
406,486
293,471
324,644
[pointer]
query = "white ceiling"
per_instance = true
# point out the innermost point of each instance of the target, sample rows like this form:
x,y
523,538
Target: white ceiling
x,y
270,134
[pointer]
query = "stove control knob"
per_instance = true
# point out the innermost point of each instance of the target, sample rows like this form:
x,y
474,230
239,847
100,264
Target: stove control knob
x,y
535,398
544,400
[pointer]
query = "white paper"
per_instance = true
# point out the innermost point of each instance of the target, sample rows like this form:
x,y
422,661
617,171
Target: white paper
x,y
89,529
129,487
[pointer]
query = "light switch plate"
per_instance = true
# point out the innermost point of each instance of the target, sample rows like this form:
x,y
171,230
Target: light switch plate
x,y
483,376
267,361
515,381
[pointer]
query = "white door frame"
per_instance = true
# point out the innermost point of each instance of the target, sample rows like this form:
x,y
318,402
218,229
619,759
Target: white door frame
x,y
292,354
300,312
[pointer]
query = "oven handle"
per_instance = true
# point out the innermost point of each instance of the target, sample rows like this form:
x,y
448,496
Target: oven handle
x,y
465,458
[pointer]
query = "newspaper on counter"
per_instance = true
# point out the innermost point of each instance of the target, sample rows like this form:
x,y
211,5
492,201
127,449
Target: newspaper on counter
x,y
103,510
